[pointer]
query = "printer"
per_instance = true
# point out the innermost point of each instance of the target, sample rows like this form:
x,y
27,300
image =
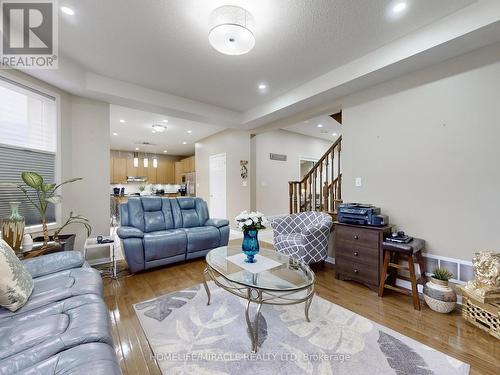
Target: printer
x,y
361,214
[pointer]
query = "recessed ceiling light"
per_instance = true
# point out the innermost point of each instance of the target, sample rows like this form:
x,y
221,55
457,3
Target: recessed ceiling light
x,y
153,131
189,131
320,125
165,121
122,121
159,128
137,149
68,11
262,86
115,133
334,134
399,7
184,143
165,151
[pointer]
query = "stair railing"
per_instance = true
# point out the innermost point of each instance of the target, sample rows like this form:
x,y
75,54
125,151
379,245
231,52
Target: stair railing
x,y
321,187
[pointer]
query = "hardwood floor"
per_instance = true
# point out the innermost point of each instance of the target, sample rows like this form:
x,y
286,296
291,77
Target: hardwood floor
x,y
447,333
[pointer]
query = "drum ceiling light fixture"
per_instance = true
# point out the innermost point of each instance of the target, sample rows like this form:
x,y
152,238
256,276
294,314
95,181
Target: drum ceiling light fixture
x,y
232,30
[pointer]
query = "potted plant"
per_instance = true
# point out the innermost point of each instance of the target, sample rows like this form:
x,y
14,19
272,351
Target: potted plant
x,y
46,194
438,295
250,223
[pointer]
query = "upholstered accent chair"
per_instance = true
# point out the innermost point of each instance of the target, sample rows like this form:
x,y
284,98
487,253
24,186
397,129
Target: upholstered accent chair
x,y
303,236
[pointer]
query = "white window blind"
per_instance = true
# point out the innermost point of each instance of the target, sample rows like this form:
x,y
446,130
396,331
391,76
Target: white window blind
x,y
27,118
28,142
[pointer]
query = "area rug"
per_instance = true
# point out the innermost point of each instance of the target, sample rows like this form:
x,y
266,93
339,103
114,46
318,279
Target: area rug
x,y
189,337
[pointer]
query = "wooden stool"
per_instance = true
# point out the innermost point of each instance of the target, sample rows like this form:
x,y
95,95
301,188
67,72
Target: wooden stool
x,y
395,250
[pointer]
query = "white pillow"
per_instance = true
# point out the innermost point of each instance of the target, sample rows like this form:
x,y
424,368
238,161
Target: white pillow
x,y
16,283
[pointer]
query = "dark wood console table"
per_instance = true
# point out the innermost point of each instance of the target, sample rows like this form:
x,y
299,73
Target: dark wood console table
x,y
359,253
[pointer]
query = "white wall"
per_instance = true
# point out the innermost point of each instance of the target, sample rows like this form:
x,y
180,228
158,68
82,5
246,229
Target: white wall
x,y
271,176
236,145
84,152
90,160
427,147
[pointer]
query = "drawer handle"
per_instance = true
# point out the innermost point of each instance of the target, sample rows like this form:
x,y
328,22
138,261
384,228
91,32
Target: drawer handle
x,y
356,271
356,237
356,253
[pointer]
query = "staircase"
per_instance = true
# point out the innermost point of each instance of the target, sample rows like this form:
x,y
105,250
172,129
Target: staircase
x,y
321,187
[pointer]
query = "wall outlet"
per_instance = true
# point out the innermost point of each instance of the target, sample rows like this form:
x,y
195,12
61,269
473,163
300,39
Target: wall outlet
x,y
358,182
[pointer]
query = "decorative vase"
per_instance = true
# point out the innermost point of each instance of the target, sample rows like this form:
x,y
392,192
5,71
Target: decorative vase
x,y
250,245
439,296
13,227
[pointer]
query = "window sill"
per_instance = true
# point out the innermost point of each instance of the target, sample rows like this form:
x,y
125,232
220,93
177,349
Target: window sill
x,y
38,228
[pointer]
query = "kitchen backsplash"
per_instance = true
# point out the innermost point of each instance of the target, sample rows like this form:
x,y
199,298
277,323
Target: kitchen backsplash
x,y
133,187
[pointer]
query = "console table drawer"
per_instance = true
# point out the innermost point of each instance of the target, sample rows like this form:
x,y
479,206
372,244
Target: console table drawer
x,y
348,269
356,252
359,235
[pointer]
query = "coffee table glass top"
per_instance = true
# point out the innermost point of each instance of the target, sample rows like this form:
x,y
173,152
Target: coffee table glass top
x,y
290,275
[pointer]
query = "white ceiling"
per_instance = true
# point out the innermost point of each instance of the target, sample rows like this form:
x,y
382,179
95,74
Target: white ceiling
x,y
137,128
163,45
310,128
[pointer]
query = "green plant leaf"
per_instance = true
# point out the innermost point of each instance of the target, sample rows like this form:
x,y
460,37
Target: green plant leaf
x,y
68,182
54,200
47,187
32,179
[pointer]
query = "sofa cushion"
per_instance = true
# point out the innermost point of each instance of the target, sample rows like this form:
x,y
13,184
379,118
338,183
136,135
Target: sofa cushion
x,y
16,283
202,238
59,286
154,221
135,213
150,204
42,333
56,262
164,244
93,358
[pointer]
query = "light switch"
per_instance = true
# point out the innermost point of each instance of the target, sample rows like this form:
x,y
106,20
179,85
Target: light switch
x,y
357,182
244,183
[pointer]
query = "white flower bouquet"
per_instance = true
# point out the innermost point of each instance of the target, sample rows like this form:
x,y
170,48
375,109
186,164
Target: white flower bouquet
x,y
251,221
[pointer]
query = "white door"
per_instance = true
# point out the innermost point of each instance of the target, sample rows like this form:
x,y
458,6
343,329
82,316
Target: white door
x,y
217,181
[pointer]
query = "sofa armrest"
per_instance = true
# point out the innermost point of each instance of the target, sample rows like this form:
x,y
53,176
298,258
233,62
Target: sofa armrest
x,y
129,232
52,263
218,223
314,231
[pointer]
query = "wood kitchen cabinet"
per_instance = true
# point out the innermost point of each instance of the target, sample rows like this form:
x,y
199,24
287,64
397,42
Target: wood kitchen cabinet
x,y
165,173
118,165
121,165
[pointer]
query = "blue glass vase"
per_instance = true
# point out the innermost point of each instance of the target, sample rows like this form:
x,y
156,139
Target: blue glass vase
x,y
250,245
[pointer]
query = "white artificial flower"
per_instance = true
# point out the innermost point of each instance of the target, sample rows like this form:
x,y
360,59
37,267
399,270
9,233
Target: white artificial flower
x,y
259,214
249,222
241,225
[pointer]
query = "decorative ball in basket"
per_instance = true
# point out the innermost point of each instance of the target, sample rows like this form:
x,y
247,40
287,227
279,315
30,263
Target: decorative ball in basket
x,y
250,223
438,295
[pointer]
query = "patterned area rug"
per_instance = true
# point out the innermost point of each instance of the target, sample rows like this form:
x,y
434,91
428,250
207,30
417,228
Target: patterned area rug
x,y
189,337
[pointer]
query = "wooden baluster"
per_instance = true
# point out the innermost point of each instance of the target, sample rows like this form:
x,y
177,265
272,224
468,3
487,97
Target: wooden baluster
x,y
327,186
321,186
339,184
290,196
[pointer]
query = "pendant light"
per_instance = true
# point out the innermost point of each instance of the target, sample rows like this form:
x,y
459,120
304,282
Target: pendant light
x,y
136,160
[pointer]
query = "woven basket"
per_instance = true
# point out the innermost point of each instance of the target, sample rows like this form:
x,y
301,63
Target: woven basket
x,y
483,315
439,306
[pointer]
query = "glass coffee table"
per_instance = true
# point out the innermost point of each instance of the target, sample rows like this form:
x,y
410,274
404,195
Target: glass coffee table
x,y
288,282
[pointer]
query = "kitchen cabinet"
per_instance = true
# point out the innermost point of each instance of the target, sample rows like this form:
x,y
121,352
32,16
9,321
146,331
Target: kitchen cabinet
x,y
118,165
188,164
165,173
179,171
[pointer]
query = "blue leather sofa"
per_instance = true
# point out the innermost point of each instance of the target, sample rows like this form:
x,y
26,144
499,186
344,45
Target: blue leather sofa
x,y
158,231
64,327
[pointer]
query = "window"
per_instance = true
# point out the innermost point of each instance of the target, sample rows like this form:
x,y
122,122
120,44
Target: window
x,y
28,142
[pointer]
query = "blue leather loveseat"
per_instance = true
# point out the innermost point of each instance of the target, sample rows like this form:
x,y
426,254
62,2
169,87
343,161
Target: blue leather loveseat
x,y
157,231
